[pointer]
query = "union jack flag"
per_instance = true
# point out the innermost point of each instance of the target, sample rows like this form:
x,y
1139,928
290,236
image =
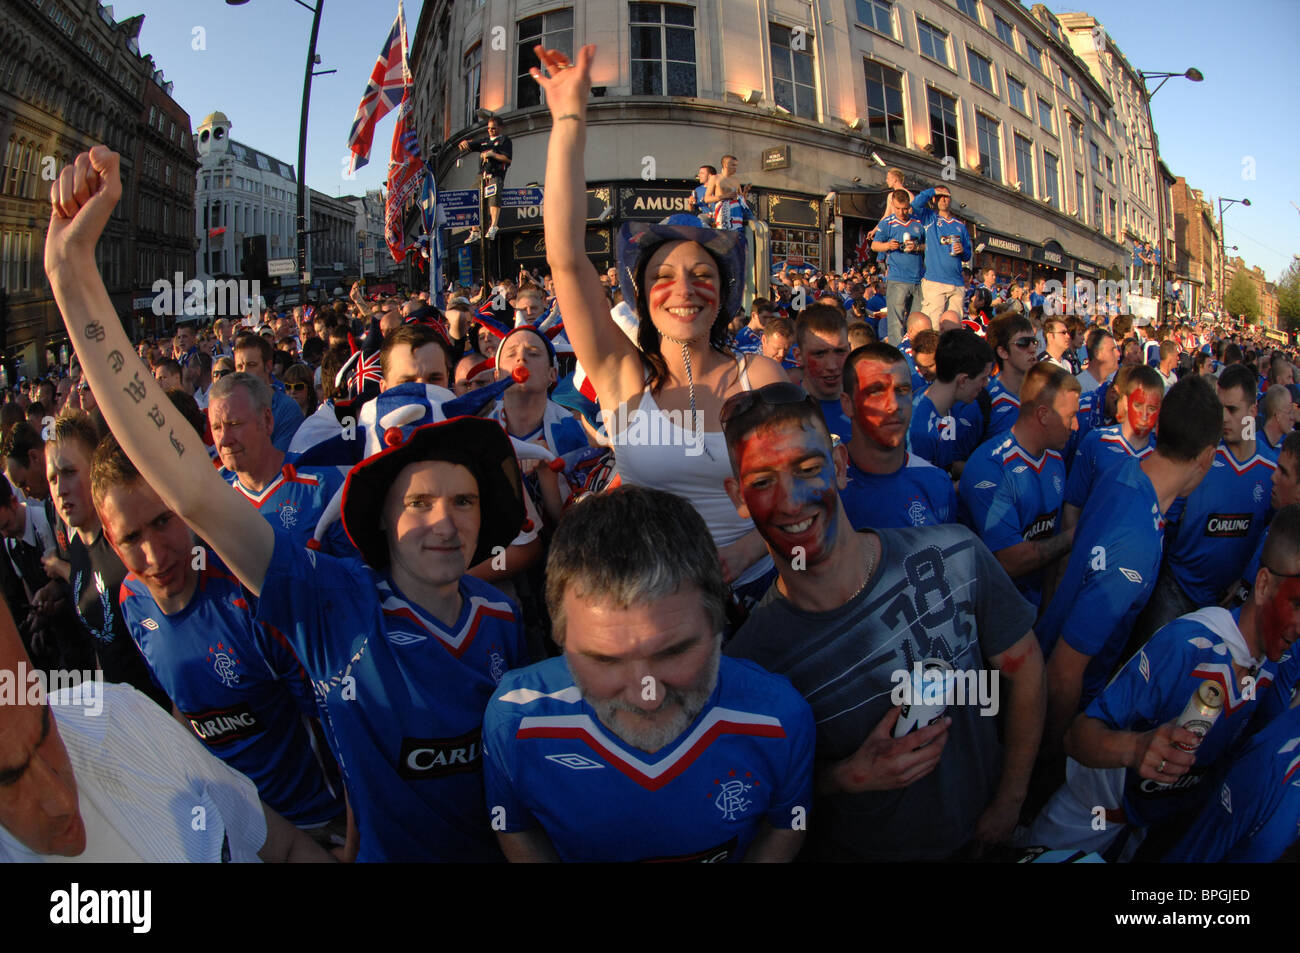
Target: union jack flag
x,y
384,91
367,371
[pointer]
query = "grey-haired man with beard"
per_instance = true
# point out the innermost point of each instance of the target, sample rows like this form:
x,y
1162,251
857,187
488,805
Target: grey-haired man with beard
x,y
642,742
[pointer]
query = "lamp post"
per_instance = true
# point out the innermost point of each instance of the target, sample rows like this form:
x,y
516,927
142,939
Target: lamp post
x,y
1195,75
1223,247
312,61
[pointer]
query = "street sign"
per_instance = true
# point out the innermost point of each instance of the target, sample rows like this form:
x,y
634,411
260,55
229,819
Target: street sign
x,y
281,266
519,198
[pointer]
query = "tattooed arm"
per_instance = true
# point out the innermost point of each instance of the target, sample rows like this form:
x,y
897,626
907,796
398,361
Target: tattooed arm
x,y
169,454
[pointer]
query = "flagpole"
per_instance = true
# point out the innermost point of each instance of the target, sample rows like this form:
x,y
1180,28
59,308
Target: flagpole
x,y
302,153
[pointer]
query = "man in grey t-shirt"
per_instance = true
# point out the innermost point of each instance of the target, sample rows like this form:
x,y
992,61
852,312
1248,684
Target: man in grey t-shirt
x,y
849,620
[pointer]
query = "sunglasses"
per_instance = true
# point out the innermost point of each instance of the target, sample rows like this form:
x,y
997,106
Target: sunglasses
x,y
1025,343
294,387
782,392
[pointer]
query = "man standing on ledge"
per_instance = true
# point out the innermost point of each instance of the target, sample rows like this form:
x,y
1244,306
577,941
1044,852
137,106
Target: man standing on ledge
x,y
496,152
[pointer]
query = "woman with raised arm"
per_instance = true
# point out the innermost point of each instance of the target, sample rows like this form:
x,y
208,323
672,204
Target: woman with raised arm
x,y
660,396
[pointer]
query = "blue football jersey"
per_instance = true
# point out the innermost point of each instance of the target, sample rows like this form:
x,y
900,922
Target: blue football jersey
x,y
1108,579
746,758
401,694
1154,687
1009,497
241,689
943,441
1099,453
836,420
294,502
747,341
1220,526
1254,815
1006,408
917,494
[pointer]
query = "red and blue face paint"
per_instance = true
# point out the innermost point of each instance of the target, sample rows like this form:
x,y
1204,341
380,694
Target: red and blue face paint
x,y
1277,617
684,278
1143,411
882,402
787,480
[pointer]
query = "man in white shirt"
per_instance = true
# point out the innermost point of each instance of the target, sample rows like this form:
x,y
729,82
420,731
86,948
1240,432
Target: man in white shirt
x,y
99,773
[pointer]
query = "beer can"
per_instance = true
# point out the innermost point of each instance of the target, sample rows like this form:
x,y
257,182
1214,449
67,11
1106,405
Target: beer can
x,y
1202,711
916,713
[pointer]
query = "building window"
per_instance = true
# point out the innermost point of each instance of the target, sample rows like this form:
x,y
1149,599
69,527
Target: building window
x,y
1045,114
1095,152
1076,135
792,72
1110,170
885,103
473,84
663,44
1051,180
943,124
988,139
1099,216
1114,223
552,30
970,8
1065,81
877,15
1006,32
933,41
1080,197
1025,164
1016,93
981,71
1034,55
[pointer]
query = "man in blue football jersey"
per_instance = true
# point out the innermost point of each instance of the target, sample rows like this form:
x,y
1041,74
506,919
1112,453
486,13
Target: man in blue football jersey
x,y
886,486
1015,348
947,246
823,338
1010,492
938,432
291,499
642,742
1222,521
1116,553
1140,393
903,237
1286,490
1131,756
852,618
404,652
238,687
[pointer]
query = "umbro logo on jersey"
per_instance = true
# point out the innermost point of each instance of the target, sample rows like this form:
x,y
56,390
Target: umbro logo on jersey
x,y
1132,575
1020,469
1225,798
575,761
149,624
1227,524
986,484
1144,666
405,638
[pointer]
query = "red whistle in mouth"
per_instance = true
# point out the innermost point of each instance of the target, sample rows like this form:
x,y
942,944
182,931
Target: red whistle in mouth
x,y
520,374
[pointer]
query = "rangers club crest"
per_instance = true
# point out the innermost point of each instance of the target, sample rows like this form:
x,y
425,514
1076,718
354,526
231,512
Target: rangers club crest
x,y
289,515
916,513
1259,493
224,664
730,798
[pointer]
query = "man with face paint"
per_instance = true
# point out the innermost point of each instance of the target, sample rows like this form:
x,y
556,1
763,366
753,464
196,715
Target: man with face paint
x,y
886,486
1011,489
1125,747
940,432
1103,449
1285,492
1223,520
834,618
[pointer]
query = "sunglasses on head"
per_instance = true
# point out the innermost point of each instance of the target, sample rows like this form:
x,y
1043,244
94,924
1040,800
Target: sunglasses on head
x,y
781,392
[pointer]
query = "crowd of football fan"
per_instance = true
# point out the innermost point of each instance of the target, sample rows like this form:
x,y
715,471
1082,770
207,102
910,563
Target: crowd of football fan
x,y
1001,582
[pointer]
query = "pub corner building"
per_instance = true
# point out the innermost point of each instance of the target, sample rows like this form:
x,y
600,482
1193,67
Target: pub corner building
x,y
1039,172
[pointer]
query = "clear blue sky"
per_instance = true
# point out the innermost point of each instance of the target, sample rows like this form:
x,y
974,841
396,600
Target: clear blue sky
x,y
253,66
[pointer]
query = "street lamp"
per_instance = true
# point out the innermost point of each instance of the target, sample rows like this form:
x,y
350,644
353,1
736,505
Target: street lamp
x,y
1223,245
312,60
1195,75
